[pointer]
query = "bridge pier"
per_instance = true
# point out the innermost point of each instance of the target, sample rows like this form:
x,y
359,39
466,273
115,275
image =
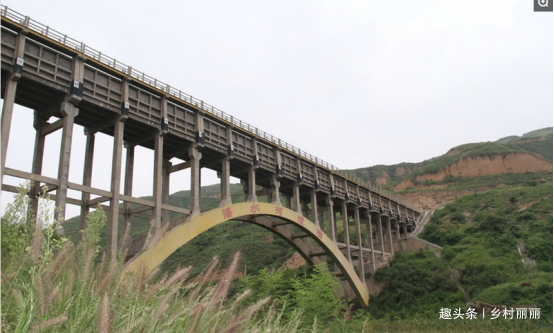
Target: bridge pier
x,y
370,241
113,214
380,234
346,230
9,97
128,191
69,112
361,272
275,184
38,157
158,181
194,156
87,180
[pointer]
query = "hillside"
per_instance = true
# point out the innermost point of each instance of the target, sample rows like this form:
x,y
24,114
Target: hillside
x,y
494,220
467,169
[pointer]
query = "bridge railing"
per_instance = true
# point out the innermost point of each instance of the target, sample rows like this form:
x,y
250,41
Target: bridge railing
x,y
127,70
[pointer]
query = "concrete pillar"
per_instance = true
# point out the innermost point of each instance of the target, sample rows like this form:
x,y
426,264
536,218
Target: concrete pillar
x,y
113,215
405,228
287,200
87,180
321,220
274,188
158,181
194,156
251,184
38,153
126,240
69,112
331,218
361,272
226,183
370,241
397,240
7,111
296,198
166,180
314,212
346,231
380,235
10,89
389,232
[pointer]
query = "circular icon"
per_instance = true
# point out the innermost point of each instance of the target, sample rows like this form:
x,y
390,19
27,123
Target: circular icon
x,y
543,3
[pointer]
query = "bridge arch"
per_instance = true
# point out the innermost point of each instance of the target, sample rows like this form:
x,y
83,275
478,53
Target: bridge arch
x,y
168,243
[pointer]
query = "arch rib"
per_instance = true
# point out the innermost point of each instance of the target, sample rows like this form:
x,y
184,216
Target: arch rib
x,y
161,249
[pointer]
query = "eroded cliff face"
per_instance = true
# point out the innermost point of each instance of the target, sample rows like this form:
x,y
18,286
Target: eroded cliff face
x,y
495,165
436,195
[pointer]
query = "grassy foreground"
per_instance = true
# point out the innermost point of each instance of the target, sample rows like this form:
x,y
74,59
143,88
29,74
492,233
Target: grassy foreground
x,y
51,285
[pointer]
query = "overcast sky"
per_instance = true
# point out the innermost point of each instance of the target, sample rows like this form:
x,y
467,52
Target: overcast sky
x,y
355,83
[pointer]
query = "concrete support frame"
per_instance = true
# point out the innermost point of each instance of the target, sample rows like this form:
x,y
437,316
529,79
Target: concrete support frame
x,y
361,272
128,190
38,154
331,218
389,232
251,185
226,183
166,181
370,241
69,112
87,179
397,228
158,181
194,155
113,215
274,188
346,231
380,235
296,198
9,101
314,210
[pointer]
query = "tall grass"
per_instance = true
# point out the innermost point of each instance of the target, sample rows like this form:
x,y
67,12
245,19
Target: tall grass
x,y
54,285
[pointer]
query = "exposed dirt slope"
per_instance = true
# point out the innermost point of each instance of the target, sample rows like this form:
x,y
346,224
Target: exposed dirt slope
x,y
493,165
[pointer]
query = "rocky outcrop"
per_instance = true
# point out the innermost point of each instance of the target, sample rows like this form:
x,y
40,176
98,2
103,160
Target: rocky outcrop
x,y
493,165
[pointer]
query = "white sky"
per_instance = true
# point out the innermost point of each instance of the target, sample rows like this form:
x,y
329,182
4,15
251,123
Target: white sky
x,y
355,83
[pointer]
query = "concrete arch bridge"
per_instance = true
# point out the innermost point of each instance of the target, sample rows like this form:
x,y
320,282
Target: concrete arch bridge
x,y
68,83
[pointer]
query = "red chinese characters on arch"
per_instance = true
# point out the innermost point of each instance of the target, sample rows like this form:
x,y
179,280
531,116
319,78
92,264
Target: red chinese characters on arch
x,y
227,212
279,211
301,219
254,208
319,233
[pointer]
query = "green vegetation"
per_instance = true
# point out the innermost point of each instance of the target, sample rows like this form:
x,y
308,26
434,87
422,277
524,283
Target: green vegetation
x,y
480,234
311,289
51,285
418,285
